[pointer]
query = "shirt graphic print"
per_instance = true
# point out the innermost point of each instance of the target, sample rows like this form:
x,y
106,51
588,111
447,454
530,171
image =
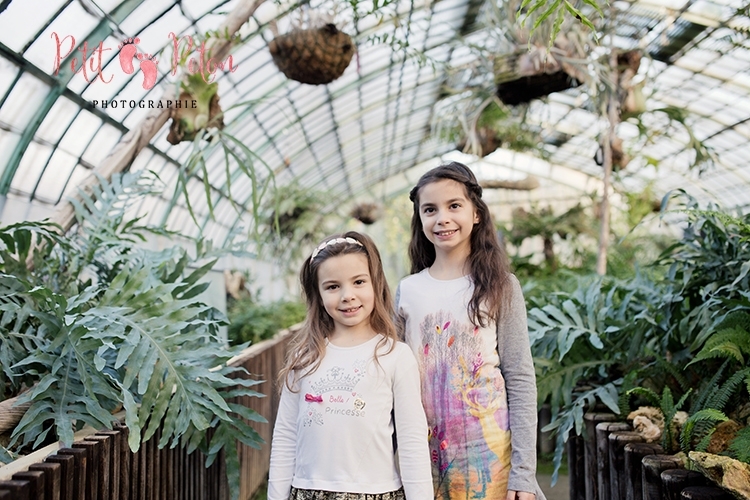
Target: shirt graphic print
x,y
336,390
467,411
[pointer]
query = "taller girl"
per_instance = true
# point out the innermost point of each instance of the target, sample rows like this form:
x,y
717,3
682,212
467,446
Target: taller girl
x,y
463,314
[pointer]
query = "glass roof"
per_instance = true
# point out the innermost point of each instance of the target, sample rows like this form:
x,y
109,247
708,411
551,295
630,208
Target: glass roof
x,y
348,138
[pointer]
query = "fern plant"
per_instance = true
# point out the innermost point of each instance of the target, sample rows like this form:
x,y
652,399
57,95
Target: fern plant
x,y
739,448
101,324
668,409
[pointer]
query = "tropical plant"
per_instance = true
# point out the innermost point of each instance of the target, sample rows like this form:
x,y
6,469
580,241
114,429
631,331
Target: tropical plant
x,y
584,342
682,331
100,323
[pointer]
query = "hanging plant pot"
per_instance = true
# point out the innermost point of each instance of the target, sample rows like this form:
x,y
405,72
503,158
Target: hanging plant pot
x,y
528,74
187,121
367,213
486,142
315,56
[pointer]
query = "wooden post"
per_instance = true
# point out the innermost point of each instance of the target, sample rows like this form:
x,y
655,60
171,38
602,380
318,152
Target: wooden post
x,y
80,471
675,480
545,443
617,478
634,453
602,455
653,466
591,419
52,476
36,483
67,466
19,490
705,493
576,469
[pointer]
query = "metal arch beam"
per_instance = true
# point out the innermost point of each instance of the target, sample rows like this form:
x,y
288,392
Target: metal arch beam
x,y
101,32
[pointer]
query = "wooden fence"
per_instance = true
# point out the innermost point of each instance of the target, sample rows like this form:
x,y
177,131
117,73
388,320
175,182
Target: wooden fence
x,y
263,361
100,465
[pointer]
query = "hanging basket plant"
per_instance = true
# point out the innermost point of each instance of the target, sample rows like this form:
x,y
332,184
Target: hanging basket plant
x,y
315,55
530,73
188,121
367,213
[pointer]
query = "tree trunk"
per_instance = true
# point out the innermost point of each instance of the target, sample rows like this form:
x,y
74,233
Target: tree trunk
x,y
612,107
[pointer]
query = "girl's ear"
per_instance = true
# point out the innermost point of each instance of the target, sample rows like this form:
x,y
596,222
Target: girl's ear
x,y
476,217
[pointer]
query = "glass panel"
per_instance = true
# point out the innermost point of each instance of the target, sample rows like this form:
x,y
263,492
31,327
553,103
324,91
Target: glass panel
x,y
80,133
8,72
32,164
72,22
104,140
57,120
55,175
24,101
19,23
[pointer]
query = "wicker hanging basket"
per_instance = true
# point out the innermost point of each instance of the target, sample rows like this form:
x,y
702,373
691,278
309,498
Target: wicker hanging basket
x,y
367,213
315,56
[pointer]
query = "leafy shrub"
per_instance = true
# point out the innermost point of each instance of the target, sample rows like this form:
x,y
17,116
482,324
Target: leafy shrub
x,y
251,321
680,329
98,323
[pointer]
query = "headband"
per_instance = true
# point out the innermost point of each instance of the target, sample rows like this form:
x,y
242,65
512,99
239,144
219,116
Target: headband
x,y
334,241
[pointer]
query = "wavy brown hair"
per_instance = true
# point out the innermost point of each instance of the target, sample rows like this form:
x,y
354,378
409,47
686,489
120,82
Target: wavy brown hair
x,y
488,261
307,346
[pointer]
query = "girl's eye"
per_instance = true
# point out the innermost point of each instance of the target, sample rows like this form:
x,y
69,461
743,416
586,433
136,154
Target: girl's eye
x,y
456,205
359,282
429,210
331,287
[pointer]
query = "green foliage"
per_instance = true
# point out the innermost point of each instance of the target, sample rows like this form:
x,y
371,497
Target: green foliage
x,y
709,415
571,418
101,323
739,448
677,119
251,321
238,161
730,340
540,12
293,223
679,331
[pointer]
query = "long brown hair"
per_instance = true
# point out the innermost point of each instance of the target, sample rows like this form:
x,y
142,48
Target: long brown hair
x,y
488,261
307,346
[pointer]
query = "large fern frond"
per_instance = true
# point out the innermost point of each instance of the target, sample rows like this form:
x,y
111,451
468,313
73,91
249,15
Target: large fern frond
x,y
709,416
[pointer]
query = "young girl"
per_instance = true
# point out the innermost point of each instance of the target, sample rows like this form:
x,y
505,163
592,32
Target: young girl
x,y
347,386
463,314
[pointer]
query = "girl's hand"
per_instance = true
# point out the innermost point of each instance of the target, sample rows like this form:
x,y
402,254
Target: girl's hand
x,y
520,495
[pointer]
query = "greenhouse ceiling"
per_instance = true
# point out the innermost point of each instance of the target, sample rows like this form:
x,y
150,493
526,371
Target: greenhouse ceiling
x,y
361,134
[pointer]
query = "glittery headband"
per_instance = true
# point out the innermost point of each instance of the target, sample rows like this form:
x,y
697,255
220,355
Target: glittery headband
x,y
334,241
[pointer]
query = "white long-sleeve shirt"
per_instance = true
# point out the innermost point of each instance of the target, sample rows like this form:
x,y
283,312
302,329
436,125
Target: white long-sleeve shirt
x,y
335,432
